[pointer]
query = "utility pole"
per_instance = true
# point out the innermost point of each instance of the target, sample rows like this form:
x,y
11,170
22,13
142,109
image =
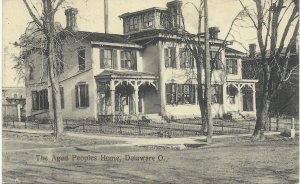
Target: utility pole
x,y
106,16
207,76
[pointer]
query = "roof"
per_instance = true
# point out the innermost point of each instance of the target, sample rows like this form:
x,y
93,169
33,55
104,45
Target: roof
x,y
95,36
141,11
233,51
125,74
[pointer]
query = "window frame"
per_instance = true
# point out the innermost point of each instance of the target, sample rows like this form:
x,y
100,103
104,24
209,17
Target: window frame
x,y
232,66
40,101
106,59
217,94
216,61
81,66
170,58
186,58
123,59
82,103
148,20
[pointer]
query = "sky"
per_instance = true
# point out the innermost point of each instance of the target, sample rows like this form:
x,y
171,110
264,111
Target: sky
x,y
90,18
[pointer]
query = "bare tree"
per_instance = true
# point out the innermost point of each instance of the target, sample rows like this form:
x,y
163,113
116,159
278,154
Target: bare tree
x,y
199,46
44,24
267,18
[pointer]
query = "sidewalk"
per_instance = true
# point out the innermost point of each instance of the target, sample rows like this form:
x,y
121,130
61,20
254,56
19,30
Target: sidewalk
x,y
138,141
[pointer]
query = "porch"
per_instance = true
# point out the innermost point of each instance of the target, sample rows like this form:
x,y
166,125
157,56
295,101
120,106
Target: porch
x,y
241,97
126,93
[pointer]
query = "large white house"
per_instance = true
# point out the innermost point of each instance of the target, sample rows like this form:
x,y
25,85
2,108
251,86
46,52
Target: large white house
x,y
143,72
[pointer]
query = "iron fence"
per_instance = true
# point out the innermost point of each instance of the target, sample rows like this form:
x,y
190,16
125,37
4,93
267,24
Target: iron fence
x,y
125,125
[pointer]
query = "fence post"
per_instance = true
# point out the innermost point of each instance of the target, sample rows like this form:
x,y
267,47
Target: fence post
x,y
139,127
13,123
25,123
277,124
222,127
38,124
120,127
249,126
293,128
83,125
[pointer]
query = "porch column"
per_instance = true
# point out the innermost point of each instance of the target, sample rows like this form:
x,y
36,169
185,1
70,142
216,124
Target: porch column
x,y
136,97
112,97
239,98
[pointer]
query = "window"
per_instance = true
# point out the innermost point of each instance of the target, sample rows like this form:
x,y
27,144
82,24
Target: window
x,y
107,58
171,93
147,20
82,95
40,100
62,98
81,59
231,92
128,60
30,73
133,23
217,94
181,93
60,62
231,66
186,59
170,57
216,60
164,19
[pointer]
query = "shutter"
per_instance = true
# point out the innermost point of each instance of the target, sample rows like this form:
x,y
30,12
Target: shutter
x,y
168,93
167,63
192,60
33,98
102,65
220,94
181,57
46,99
87,103
235,67
192,93
76,96
173,57
62,99
114,59
134,59
227,65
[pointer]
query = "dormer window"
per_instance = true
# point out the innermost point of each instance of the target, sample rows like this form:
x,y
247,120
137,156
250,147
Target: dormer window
x,y
148,20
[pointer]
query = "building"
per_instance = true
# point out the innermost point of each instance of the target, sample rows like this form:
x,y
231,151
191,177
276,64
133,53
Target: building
x,y
13,103
144,72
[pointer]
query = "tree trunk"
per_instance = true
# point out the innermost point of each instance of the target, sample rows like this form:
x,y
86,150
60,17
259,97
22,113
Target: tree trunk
x,y
207,77
52,73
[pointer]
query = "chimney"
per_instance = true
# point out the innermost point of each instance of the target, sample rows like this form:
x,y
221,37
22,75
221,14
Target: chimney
x,y
174,8
71,16
106,16
213,32
252,50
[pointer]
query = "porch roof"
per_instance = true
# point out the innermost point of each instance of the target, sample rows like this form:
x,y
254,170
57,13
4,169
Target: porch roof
x,y
113,74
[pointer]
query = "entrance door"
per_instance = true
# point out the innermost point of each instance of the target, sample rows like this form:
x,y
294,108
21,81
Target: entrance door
x,y
125,104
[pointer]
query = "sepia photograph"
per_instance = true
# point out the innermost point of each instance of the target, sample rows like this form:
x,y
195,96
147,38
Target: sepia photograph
x,y
150,91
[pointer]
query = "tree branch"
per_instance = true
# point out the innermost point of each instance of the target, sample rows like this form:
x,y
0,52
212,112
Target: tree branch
x,y
36,20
